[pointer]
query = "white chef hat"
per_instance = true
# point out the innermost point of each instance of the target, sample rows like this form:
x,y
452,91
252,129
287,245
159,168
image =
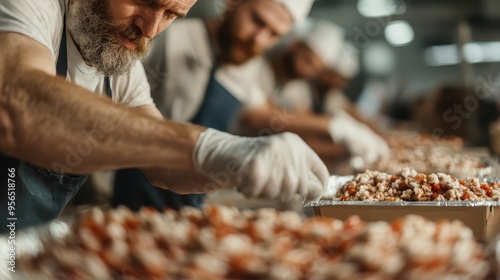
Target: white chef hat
x,y
299,9
325,39
348,62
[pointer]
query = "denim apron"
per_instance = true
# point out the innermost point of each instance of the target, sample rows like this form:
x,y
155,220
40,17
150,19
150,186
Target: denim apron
x,y
132,188
40,194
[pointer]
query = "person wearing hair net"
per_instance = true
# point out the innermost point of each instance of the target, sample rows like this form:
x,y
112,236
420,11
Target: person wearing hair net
x,y
74,99
194,71
328,89
328,96
312,50
325,94
301,57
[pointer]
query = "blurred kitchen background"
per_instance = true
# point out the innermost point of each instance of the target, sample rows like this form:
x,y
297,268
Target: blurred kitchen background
x,y
432,62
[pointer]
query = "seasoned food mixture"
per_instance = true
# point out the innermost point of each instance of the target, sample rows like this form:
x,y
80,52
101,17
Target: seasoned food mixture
x,y
409,185
426,154
224,243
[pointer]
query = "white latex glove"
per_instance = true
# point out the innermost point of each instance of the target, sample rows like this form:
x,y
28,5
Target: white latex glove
x,y
275,166
364,144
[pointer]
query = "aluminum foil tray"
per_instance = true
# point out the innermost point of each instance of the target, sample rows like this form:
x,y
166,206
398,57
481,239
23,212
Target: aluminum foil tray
x,y
336,182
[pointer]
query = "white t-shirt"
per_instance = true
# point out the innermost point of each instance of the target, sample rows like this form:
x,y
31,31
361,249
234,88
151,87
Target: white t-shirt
x,y
179,68
295,94
42,20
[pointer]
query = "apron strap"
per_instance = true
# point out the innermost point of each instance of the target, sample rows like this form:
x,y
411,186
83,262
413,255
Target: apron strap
x,y
62,58
62,62
215,50
107,84
318,100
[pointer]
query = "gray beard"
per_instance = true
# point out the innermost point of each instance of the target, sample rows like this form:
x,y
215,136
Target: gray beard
x,y
89,28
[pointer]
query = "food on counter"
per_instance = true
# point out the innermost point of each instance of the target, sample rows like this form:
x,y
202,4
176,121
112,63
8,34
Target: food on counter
x,y
409,185
494,131
410,140
426,154
428,159
224,243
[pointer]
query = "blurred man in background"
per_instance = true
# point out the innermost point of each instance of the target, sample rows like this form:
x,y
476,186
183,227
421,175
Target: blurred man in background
x,y
55,130
195,70
328,90
315,50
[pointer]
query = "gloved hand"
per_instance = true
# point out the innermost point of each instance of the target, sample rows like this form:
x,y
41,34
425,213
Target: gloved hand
x,y
363,143
275,166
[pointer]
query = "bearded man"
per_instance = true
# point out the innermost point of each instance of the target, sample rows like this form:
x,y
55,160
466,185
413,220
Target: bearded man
x,y
98,114
196,69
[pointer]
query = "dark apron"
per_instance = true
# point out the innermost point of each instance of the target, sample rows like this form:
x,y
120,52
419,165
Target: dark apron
x,y
318,103
132,188
40,194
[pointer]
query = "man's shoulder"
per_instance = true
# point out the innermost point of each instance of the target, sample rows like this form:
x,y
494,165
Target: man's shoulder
x,y
38,10
41,7
187,22
188,37
250,70
41,20
186,27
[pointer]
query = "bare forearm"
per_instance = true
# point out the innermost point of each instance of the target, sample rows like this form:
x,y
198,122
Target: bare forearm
x,y
326,149
372,124
180,181
309,124
271,119
60,126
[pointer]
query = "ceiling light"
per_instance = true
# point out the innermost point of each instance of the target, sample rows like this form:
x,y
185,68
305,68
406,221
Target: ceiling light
x,y
399,33
381,8
474,52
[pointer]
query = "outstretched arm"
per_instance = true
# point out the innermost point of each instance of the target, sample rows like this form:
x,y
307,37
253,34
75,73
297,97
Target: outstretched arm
x,y
57,125
270,118
275,119
183,181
